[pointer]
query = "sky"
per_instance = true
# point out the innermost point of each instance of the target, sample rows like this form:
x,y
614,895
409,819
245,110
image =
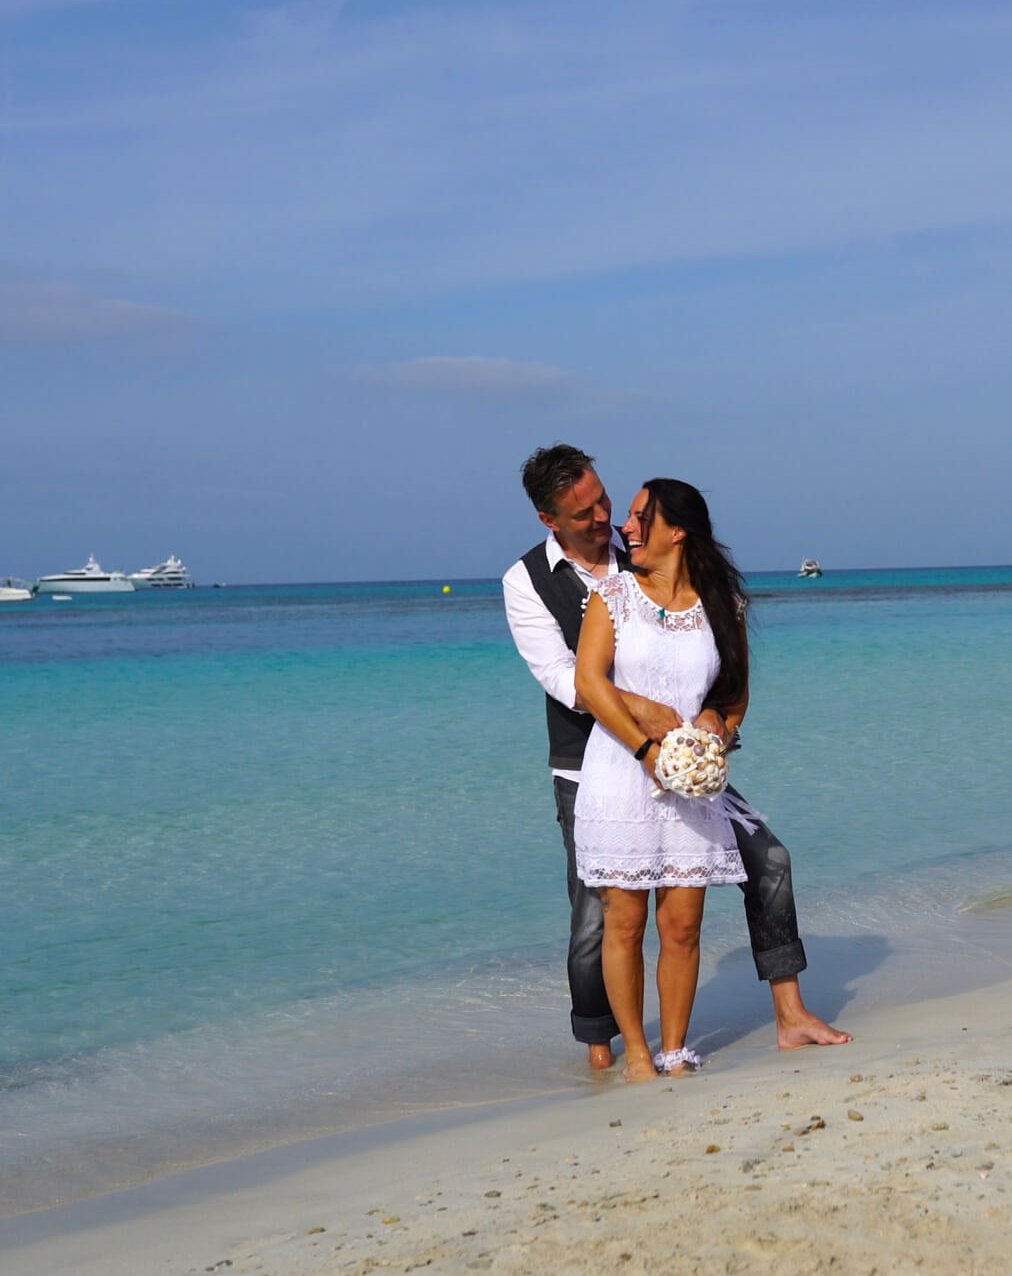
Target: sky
x,y
292,290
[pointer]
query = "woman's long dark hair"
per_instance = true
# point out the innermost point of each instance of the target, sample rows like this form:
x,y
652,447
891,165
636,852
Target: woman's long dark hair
x,y
714,576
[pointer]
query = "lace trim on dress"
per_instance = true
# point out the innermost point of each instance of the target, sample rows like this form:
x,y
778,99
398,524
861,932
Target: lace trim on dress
x,y
613,594
724,867
621,592
693,617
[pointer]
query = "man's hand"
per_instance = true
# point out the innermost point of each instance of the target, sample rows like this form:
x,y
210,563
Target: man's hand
x,y
655,720
710,720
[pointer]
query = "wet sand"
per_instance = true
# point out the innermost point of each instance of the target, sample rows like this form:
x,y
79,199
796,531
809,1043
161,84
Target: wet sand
x,y
889,1155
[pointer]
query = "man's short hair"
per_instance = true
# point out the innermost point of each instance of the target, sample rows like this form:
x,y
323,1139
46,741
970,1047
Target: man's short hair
x,y
550,469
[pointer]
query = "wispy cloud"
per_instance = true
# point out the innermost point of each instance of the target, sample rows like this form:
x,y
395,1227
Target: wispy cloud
x,y
12,8
686,230
474,376
515,386
343,152
34,311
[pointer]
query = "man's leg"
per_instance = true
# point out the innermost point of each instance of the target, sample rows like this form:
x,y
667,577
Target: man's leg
x,y
592,1020
777,949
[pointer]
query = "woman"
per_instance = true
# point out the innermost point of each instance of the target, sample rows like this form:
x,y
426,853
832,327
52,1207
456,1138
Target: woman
x,y
673,630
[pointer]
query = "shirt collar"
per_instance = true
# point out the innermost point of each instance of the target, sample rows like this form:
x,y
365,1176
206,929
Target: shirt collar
x,y
555,553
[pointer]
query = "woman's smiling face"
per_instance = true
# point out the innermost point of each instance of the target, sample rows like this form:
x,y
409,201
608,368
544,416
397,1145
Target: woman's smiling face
x,y
647,531
637,528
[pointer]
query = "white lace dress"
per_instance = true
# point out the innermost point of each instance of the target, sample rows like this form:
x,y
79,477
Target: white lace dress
x,y
625,837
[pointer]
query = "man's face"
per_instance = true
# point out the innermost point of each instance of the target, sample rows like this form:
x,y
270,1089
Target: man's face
x,y
582,518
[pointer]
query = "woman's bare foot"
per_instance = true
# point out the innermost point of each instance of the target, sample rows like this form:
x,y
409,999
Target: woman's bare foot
x,y
809,1030
639,1070
600,1056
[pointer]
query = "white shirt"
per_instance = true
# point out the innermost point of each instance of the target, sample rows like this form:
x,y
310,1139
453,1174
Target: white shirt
x,y
537,633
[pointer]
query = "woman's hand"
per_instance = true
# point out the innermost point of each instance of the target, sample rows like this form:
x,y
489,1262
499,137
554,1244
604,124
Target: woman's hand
x,y
649,763
713,721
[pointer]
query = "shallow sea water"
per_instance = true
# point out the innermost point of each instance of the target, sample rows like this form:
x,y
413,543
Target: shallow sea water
x,y
283,859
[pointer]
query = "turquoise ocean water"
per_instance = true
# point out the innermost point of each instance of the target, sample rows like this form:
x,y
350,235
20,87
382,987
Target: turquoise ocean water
x,y
280,860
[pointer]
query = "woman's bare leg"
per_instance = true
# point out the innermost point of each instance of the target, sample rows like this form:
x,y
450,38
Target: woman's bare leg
x,y
625,920
679,920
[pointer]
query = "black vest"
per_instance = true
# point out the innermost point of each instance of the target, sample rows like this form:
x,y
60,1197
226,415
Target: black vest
x,y
562,591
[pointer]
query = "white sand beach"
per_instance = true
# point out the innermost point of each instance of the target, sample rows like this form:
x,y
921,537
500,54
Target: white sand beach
x,y
890,1155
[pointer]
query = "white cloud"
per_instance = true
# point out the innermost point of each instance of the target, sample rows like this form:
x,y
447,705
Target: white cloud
x,y
475,376
41,311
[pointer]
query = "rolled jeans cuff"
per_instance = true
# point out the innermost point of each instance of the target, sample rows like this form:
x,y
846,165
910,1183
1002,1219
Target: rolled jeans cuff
x,y
778,963
593,1032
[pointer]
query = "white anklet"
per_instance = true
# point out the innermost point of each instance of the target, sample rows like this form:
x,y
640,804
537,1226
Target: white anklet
x,y
667,1060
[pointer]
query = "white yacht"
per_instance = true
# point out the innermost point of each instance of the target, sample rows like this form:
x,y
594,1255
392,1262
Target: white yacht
x,y
14,591
171,574
89,579
810,567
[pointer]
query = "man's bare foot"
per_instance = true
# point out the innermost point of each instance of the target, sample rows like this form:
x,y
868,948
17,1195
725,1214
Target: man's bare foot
x,y
639,1070
600,1056
809,1030
796,1025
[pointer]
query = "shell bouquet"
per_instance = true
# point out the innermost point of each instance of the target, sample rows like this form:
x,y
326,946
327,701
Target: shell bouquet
x,y
691,763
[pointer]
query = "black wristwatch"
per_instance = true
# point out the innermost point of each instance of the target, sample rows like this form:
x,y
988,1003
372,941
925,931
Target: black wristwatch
x,y
644,749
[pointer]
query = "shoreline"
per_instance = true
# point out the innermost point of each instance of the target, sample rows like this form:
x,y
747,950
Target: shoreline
x,y
894,1148
496,1036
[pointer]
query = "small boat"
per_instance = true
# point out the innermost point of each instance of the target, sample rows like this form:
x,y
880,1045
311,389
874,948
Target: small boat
x,y
810,567
171,574
89,579
14,591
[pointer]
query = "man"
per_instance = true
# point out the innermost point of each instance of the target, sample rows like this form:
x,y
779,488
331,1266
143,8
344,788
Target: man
x,y
544,594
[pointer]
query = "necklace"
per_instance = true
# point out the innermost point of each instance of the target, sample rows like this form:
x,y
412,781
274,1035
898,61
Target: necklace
x,y
663,612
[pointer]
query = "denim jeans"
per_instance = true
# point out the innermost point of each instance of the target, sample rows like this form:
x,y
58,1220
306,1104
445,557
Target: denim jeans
x,y
769,902
769,912
591,1016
